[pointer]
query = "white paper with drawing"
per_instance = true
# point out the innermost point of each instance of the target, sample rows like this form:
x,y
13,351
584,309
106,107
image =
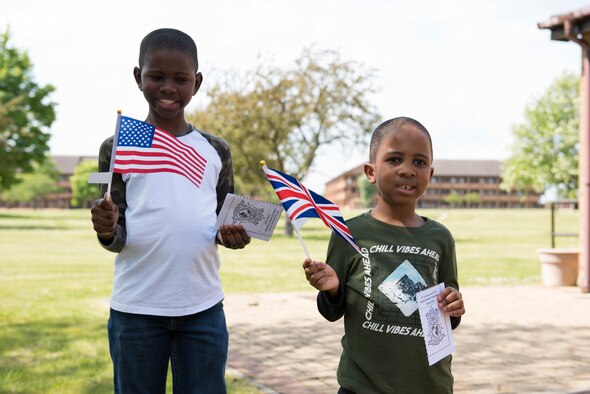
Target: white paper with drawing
x,y
436,325
259,218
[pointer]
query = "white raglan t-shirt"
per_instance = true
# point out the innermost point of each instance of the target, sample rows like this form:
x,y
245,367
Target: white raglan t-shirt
x,y
170,262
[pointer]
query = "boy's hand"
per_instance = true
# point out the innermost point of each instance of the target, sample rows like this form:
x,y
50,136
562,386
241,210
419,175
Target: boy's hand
x,y
105,215
322,277
450,300
233,236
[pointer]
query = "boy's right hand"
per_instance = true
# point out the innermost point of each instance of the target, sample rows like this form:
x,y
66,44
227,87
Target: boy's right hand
x,y
105,215
321,276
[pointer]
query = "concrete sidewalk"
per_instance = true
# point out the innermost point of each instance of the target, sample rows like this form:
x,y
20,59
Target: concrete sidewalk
x,y
513,339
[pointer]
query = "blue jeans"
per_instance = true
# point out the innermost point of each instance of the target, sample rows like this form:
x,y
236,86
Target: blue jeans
x,y
196,345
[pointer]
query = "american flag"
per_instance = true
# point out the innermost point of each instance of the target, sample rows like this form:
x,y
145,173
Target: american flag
x,y
301,203
143,148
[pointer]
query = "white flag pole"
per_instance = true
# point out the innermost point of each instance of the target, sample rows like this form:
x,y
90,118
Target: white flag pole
x,y
300,239
113,151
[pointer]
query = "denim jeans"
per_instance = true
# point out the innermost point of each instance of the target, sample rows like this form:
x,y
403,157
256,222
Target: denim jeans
x,y
196,345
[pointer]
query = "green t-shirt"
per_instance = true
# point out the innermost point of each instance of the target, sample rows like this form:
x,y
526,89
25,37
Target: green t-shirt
x,y
383,344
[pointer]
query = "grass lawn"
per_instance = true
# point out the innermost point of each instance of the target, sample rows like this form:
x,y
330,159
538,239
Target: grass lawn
x,y
55,281
494,246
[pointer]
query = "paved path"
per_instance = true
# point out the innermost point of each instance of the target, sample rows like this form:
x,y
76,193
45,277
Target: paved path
x,y
513,339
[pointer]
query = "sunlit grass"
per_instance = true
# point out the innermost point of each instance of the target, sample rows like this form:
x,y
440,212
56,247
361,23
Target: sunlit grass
x,y
494,246
54,285
55,282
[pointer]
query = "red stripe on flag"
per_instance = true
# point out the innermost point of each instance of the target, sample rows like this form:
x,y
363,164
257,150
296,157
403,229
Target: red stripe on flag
x,y
185,152
150,171
161,159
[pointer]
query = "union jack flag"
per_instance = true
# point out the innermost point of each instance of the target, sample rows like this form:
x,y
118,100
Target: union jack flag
x,y
301,203
143,148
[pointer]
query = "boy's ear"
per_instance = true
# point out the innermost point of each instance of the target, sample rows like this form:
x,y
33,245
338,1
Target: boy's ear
x,y
137,76
198,82
370,172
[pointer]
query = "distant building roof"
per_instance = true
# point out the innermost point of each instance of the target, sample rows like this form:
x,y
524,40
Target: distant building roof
x,y
467,167
67,164
447,167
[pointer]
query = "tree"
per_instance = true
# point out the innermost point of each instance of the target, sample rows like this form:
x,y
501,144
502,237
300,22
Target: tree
x,y
26,113
82,191
285,116
368,191
472,199
453,199
34,186
545,149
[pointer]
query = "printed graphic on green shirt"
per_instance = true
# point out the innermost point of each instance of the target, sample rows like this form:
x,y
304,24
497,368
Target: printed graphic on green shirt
x,y
397,273
401,287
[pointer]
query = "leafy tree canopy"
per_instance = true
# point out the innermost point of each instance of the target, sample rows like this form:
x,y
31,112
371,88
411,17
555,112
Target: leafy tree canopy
x,y
82,191
453,199
368,191
33,186
26,113
472,199
545,148
284,116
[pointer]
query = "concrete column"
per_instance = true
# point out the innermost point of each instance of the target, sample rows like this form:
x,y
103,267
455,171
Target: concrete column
x,y
584,173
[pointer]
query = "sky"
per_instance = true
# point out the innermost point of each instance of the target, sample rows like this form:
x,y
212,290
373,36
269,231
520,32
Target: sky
x,y
466,69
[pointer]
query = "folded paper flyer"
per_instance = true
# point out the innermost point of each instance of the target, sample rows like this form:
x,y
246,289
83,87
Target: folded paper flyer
x,y
259,218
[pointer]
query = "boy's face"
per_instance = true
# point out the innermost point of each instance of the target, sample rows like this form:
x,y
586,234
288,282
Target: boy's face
x,y
402,167
168,81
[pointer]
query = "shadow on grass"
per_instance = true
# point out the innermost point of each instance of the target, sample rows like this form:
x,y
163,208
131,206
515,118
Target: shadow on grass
x,y
306,237
54,356
34,227
45,356
6,215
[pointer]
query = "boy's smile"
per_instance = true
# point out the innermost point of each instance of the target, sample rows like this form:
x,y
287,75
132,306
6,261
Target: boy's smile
x,y
167,103
168,80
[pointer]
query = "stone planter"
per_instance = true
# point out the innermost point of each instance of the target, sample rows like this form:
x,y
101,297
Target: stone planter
x,y
559,266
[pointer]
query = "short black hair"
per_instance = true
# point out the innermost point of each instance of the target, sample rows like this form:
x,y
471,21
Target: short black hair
x,y
168,39
391,125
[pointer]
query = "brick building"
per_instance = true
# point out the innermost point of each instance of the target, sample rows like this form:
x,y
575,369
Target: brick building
x,y
463,177
65,166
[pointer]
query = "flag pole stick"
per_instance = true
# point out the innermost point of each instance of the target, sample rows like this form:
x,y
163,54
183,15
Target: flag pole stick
x,y
300,239
115,141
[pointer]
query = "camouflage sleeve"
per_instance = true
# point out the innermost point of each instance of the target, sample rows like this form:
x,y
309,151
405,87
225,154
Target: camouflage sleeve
x,y
118,195
225,183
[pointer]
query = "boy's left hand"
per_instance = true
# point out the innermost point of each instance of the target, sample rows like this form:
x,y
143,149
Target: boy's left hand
x,y
450,301
233,236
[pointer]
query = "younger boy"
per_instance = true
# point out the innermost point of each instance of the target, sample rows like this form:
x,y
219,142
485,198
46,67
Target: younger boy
x,y
166,302
383,348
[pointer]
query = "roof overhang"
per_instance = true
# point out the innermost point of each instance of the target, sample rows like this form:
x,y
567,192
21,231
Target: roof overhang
x,y
579,20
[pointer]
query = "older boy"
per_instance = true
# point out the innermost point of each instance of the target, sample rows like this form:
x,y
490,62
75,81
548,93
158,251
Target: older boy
x,y
166,302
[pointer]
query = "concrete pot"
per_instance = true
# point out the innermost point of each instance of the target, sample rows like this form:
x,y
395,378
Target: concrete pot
x,y
559,266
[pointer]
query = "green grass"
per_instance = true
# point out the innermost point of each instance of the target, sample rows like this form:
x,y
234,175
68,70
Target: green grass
x,y
493,246
500,246
55,282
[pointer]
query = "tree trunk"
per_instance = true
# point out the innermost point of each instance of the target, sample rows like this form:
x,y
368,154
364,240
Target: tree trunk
x,y
288,227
